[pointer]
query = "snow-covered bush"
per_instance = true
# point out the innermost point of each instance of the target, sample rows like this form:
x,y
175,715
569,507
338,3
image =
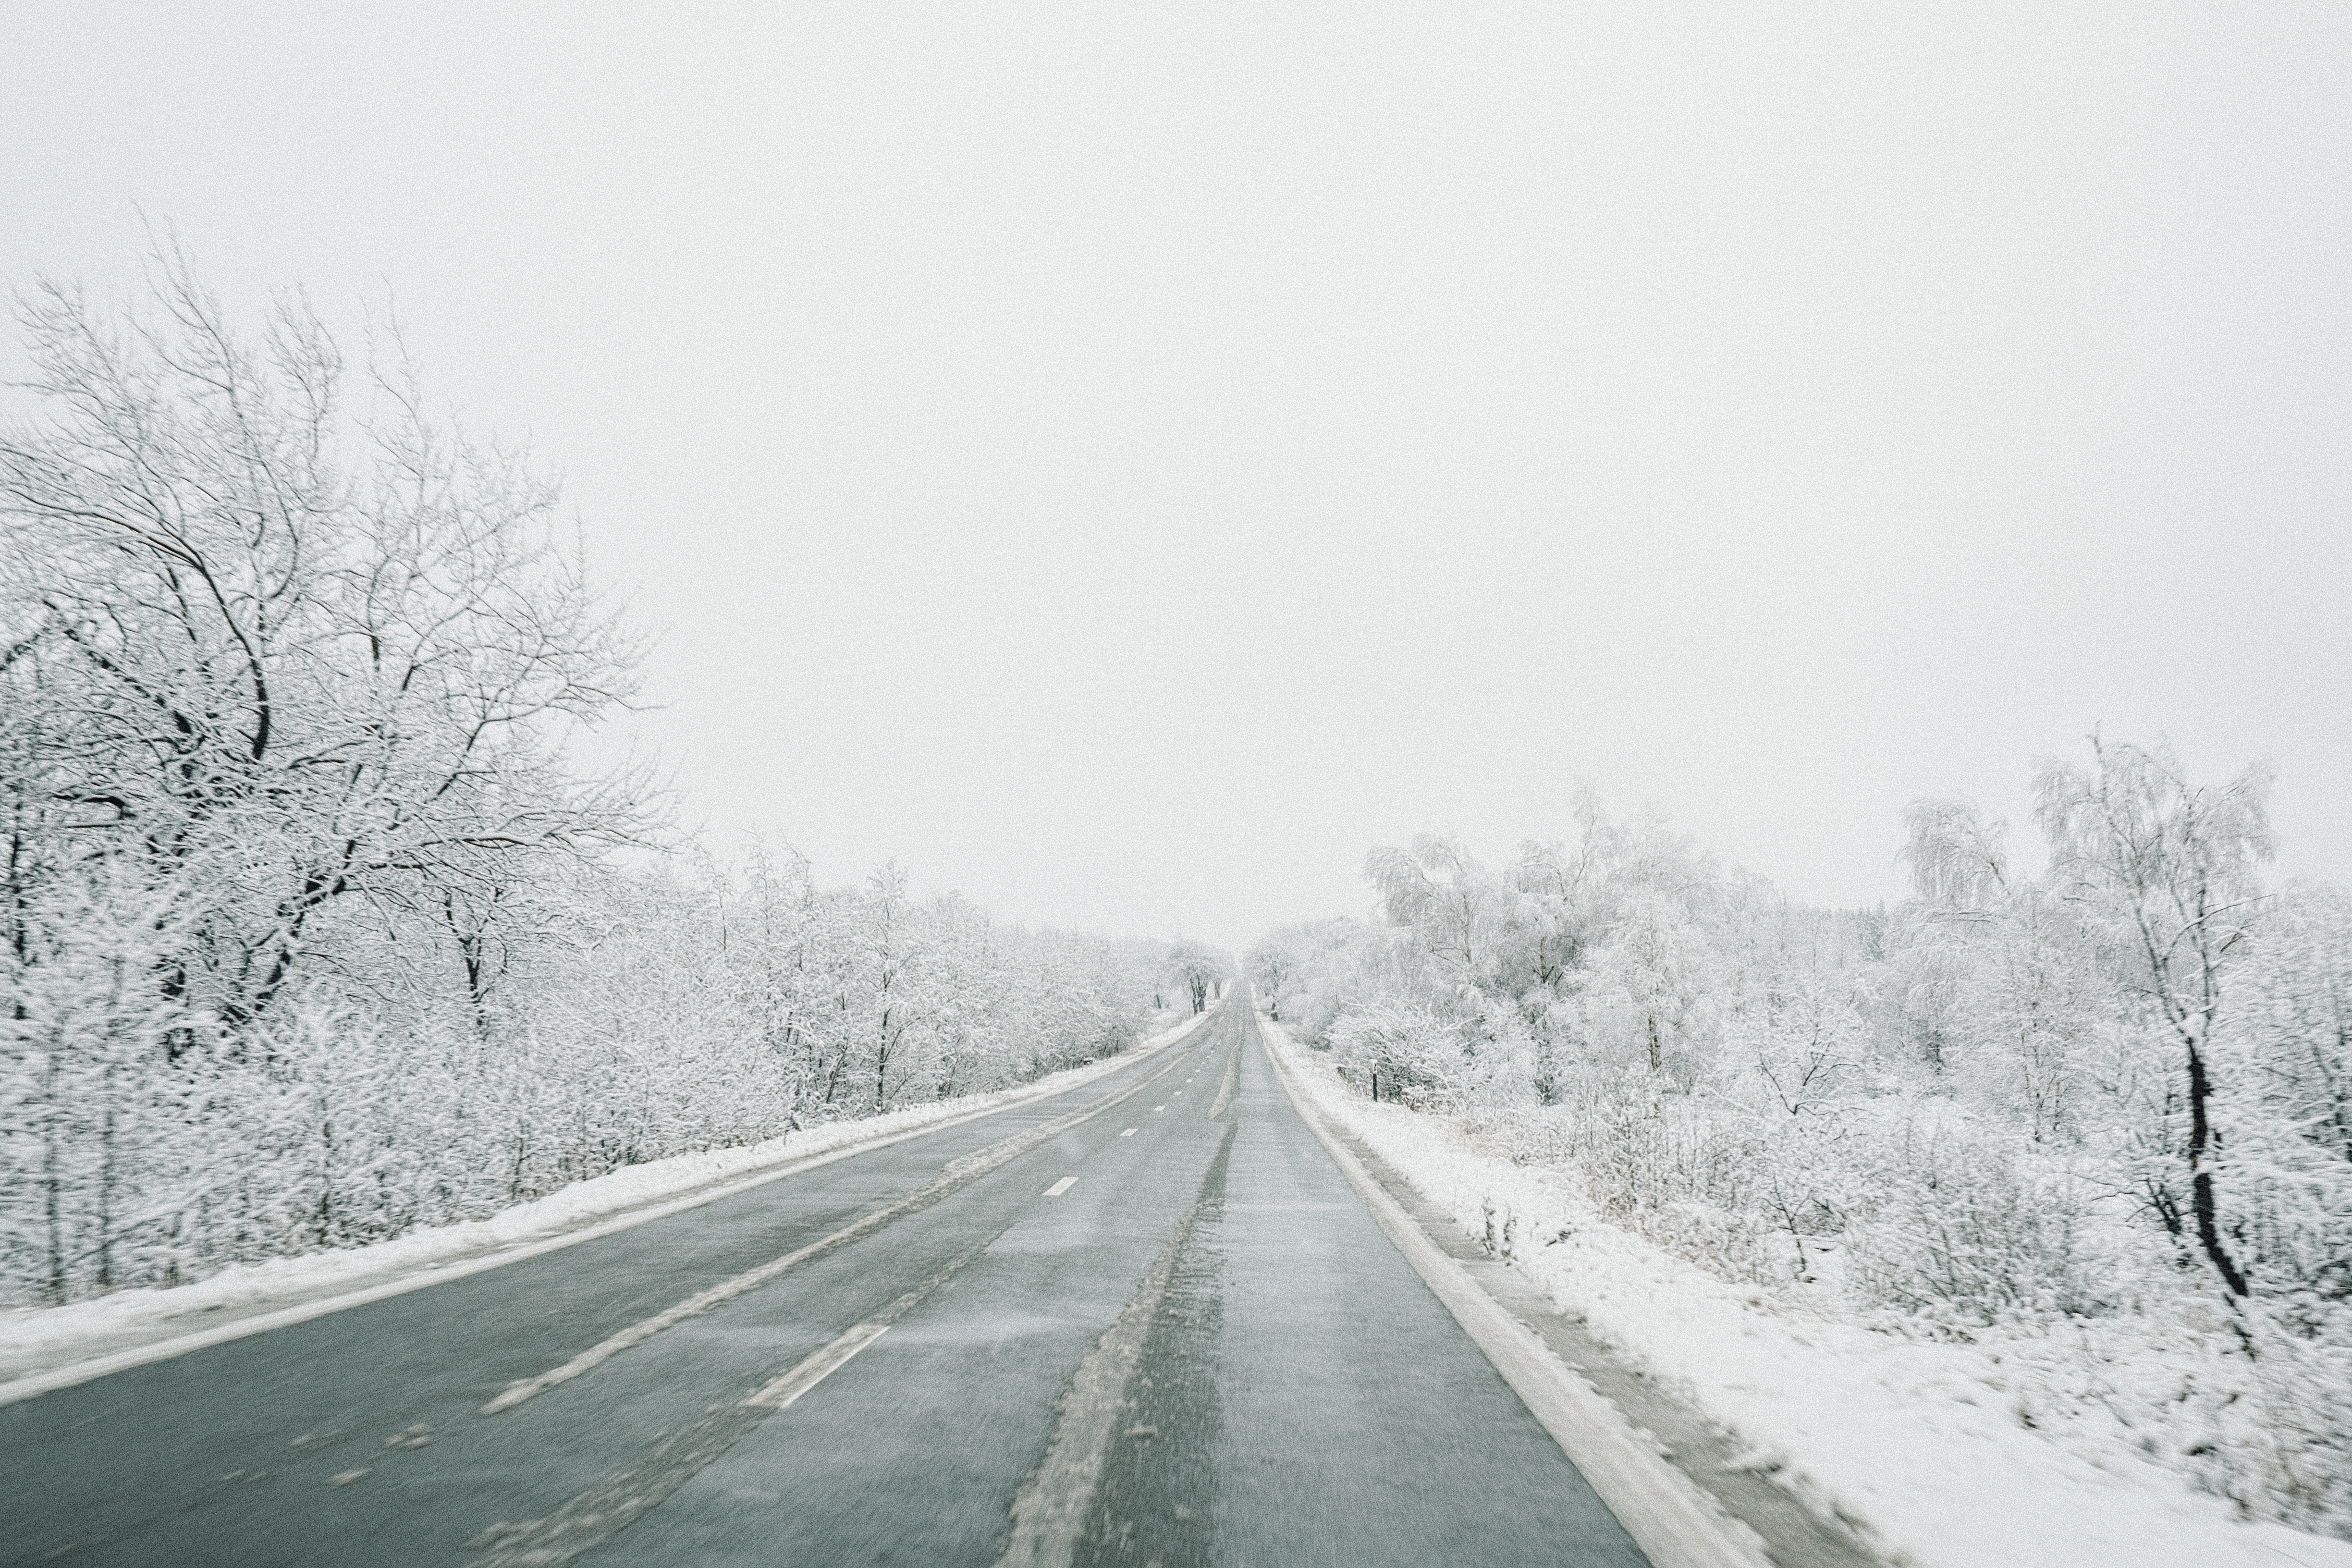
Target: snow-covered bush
x,y
685,1009
1401,1051
1963,1226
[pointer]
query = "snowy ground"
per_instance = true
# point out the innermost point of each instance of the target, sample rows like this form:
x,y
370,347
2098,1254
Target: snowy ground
x,y
1927,1446
36,1341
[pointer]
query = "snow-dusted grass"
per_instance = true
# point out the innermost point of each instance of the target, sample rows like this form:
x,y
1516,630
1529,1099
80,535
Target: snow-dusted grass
x,y
2013,1451
39,1339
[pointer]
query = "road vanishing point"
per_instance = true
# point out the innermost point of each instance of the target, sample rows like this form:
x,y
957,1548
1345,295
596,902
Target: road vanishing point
x,y
1150,1320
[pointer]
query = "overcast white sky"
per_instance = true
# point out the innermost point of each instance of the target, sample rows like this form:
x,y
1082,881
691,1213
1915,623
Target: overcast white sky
x,y
1125,461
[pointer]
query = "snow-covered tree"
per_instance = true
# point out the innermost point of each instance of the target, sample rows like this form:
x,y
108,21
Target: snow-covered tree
x,y
2166,868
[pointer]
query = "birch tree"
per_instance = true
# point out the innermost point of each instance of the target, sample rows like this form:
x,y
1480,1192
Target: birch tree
x,y
2169,867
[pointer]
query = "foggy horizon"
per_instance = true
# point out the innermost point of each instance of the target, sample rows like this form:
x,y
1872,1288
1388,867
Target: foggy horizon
x,y
1126,470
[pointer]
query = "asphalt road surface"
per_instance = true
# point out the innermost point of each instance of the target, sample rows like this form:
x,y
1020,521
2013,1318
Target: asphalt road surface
x,y
1145,1321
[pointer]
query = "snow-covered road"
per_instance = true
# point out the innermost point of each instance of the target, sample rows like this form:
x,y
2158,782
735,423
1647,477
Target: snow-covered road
x,y
1145,1318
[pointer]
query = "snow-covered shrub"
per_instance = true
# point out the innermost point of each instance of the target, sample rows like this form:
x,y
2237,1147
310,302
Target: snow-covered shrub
x,y
1962,1226
1401,1051
144,1144
1651,1163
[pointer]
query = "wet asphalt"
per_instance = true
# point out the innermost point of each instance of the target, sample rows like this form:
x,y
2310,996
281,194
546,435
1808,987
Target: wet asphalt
x,y
1301,1397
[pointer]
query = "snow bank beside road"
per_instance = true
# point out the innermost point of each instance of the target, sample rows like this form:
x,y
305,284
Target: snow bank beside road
x,y
1927,1446
35,1341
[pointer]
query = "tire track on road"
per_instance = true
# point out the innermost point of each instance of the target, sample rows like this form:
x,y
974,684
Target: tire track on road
x,y
1050,1511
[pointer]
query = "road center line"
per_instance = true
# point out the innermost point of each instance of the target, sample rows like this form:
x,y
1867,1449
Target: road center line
x,y
958,1174
779,1394
604,1510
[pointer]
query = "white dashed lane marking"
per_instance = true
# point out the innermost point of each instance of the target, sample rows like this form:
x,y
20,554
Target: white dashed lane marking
x,y
779,1394
1064,1185
1129,1133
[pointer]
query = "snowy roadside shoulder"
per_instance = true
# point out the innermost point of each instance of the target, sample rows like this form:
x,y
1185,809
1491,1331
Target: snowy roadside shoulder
x,y
1949,1456
42,1347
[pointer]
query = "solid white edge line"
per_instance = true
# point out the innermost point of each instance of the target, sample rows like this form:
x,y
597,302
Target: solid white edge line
x,y
39,1383
779,1394
1064,1185
1662,1509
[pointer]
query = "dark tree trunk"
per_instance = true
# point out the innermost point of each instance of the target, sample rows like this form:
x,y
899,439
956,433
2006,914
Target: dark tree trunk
x,y
2201,1179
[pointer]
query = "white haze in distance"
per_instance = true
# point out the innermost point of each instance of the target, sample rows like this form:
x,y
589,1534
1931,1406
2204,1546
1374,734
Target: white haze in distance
x,y
1126,461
